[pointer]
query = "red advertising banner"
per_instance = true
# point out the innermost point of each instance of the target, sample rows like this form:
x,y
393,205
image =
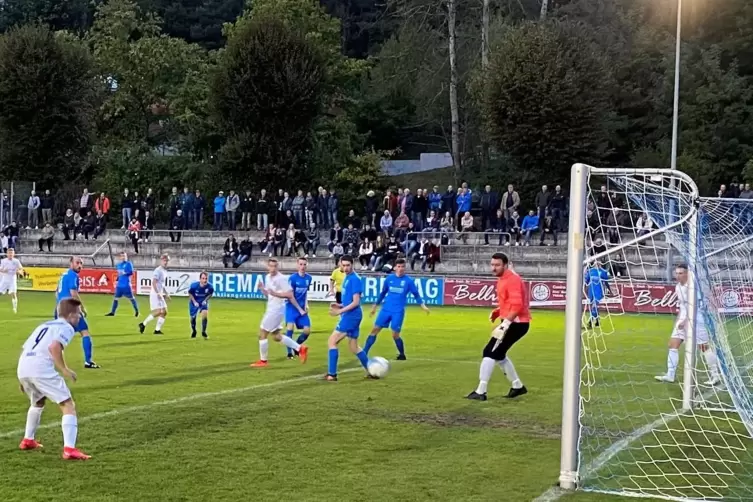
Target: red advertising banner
x,y
100,280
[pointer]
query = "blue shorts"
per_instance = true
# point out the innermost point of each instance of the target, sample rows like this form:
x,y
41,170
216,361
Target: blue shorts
x,y
393,320
123,291
350,326
193,310
82,324
293,316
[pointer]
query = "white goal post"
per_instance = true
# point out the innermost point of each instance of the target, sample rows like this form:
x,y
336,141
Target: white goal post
x,y
624,432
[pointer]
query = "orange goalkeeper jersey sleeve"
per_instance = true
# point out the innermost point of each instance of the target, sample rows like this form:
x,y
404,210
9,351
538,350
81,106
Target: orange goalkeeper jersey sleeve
x,y
512,295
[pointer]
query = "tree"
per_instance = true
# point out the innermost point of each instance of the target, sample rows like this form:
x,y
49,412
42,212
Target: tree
x,y
545,99
73,15
48,93
267,94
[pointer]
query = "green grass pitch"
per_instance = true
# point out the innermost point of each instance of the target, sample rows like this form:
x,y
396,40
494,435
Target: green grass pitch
x,y
174,419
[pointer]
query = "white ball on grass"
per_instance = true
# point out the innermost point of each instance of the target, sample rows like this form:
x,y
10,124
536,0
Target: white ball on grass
x,y
378,367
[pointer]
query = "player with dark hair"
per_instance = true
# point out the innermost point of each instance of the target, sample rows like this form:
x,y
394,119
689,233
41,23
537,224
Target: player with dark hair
x,y
123,286
68,288
198,303
516,317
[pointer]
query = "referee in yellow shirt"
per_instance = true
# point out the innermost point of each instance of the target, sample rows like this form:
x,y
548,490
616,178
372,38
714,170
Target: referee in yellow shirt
x,y
336,283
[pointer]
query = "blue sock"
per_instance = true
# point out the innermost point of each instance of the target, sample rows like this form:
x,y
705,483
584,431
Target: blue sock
x,y
204,323
193,324
400,346
332,366
302,338
594,311
114,306
363,358
289,334
371,340
86,342
135,305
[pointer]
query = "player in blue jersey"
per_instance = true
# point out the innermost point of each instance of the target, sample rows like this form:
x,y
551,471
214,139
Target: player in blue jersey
x,y
299,283
123,286
395,290
596,279
68,288
198,304
351,315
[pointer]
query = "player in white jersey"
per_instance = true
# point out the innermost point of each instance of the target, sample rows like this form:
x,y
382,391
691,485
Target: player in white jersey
x,y
158,297
277,289
42,354
10,270
680,330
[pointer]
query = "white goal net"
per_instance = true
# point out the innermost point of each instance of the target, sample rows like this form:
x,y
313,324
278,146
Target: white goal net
x,y
686,439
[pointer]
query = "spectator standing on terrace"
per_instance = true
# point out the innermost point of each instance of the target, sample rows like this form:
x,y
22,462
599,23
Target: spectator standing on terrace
x,y
102,205
219,210
84,203
543,199
33,209
147,226
420,208
449,201
746,192
489,205
125,208
177,226
312,241
138,206
173,203
310,206
372,207
199,203
100,224
385,222
389,203
5,206
229,250
299,205
322,208
529,226
47,234
510,201
134,232
279,211
333,203
262,211
148,202
287,205
187,206
405,202
47,203
232,203
435,200
69,225
247,211
466,226
513,228
558,208
463,202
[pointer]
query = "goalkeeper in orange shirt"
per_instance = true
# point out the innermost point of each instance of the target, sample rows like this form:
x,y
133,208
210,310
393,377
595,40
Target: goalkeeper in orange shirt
x,y
514,312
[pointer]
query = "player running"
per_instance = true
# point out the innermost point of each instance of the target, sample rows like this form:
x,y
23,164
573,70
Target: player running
x,y
596,279
277,290
158,297
198,303
680,330
123,286
68,288
516,318
350,319
11,269
395,290
41,355
299,283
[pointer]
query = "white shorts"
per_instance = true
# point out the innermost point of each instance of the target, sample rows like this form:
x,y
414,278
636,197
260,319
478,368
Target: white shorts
x,y
272,320
701,335
157,302
53,388
8,285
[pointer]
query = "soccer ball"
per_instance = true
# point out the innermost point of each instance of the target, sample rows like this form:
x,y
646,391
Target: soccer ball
x,y
378,367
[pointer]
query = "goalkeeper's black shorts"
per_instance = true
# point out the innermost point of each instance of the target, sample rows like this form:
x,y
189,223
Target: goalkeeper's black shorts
x,y
515,332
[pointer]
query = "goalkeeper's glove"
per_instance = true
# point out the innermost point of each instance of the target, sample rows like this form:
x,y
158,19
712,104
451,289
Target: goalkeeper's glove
x,y
494,315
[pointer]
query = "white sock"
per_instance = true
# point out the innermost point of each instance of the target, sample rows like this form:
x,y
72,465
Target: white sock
x,y
15,303
673,359
263,349
148,319
290,343
509,370
711,363
160,322
70,430
484,374
33,417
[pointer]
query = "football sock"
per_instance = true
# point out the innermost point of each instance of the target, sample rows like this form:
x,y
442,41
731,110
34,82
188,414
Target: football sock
x,y
370,341
204,322
289,342
114,306
289,334
363,358
400,346
70,430
160,322
33,417
263,349
484,374
302,338
14,300
193,324
711,363
333,354
86,343
509,371
135,305
594,312
673,359
147,320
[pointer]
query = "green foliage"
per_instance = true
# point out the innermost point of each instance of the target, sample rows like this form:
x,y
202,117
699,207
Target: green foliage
x,y
48,93
267,95
74,15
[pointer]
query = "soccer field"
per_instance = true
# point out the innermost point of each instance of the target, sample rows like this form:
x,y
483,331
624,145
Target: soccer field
x,y
171,418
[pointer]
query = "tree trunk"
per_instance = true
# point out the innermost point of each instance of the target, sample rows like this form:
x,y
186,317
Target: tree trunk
x,y
454,115
544,8
484,70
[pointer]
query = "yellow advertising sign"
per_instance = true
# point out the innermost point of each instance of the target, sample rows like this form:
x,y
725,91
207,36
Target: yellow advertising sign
x,y
40,279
